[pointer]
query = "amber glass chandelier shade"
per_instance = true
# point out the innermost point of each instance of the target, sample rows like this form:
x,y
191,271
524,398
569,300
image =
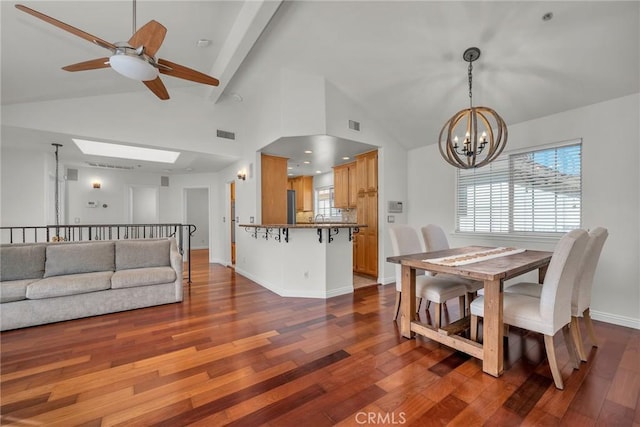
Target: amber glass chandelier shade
x,y
473,137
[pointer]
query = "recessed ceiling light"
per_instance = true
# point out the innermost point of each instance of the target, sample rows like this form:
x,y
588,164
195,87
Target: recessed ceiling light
x,y
94,148
345,158
289,168
547,16
318,171
290,174
307,162
189,169
203,43
308,151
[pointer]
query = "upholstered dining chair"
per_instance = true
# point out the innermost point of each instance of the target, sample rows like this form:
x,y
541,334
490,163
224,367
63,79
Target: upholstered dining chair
x,y
436,240
550,312
404,241
581,297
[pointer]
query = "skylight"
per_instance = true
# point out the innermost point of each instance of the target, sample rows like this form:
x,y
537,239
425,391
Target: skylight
x,y
126,151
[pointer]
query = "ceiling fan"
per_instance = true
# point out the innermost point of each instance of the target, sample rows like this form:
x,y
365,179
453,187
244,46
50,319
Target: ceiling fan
x,y
134,59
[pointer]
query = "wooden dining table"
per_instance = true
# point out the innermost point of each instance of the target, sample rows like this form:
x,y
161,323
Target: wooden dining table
x,y
493,272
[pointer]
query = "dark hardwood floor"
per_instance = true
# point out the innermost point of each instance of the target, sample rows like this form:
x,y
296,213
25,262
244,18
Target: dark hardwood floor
x,y
234,353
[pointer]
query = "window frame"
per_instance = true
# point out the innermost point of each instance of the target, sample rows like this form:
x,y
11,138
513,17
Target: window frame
x,y
520,235
332,208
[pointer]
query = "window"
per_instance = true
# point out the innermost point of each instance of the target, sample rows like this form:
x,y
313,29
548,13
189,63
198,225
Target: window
x,y
527,192
324,203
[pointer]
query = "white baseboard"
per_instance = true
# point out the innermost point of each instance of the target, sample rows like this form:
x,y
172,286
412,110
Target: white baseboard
x,y
387,280
615,319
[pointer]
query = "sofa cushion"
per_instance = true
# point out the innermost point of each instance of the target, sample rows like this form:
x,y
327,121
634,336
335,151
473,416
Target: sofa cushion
x,y
142,277
21,262
73,284
142,253
75,258
14,290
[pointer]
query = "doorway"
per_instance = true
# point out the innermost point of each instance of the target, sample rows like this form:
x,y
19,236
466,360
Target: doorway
x,y
197,213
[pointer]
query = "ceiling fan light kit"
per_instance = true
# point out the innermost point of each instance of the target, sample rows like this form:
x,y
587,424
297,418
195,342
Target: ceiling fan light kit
x,y
134,59
129,63
485,132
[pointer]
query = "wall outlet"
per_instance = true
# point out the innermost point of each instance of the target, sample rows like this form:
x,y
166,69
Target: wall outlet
x,y
391,218
251,220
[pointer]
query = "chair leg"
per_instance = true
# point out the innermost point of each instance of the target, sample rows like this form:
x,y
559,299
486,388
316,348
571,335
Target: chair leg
x,y
396,309
473,333
470,297
418,303
589,325
577,338
428,304
438,316
571,348
462,306
553,363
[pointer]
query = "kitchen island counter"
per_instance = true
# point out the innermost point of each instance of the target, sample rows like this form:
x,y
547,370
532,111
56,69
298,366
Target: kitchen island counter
x,y
312,260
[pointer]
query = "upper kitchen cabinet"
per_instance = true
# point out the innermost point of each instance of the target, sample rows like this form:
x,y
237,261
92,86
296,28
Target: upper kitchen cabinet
x,y
303,186
367,172
274,189
345,187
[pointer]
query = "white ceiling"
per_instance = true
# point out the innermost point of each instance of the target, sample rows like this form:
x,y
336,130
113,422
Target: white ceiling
x,y
400,61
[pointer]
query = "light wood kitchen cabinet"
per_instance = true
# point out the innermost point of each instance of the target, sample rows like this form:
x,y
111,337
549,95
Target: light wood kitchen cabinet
x,y
274,189
367,171
366,259
366,243
303,186
344,186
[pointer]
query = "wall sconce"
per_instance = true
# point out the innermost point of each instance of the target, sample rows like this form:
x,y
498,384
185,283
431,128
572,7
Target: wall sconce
x,y
242,175
96,184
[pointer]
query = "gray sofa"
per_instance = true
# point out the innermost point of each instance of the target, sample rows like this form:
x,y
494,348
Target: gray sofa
x,y
51,282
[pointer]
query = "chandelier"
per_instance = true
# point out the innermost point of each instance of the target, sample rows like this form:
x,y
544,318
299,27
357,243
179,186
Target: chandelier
x,y
485,133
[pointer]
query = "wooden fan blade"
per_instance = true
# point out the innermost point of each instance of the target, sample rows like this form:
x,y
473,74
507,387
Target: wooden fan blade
x,y
92,64
156,86
182,72
150,35
73,30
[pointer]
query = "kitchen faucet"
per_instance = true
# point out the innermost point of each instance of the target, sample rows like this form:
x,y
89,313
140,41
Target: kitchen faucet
x,y
321,217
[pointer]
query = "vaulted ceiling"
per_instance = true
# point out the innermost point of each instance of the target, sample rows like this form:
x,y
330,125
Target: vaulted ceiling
x,y
400,61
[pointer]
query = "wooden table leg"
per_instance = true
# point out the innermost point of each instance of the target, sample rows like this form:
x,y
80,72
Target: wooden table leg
x,y
407,301
493,323
542,272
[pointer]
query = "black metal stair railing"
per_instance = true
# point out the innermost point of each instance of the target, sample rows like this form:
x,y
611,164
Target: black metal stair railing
x,y
78,232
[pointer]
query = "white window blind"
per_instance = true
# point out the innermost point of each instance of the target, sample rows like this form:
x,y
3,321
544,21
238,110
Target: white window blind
x,y
529,192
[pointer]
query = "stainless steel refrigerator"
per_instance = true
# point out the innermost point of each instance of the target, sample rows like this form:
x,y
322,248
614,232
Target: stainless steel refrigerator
x,y
291,206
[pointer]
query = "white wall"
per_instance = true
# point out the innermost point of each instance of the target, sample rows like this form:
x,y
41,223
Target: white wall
x,y
25,185
114,193
611,136
392,165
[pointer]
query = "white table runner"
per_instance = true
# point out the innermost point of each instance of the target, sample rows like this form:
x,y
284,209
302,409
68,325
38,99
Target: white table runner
x,y
471,257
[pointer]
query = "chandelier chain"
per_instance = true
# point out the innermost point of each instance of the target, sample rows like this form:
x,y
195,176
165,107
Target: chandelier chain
x,y
470,84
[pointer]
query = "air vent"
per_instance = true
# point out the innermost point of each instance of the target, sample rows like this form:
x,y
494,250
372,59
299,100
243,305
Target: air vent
x,y
72,174
164,181
225,134
354,125
108,166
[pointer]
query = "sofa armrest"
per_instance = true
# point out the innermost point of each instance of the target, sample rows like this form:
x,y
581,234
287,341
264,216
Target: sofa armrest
x,y
175,259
